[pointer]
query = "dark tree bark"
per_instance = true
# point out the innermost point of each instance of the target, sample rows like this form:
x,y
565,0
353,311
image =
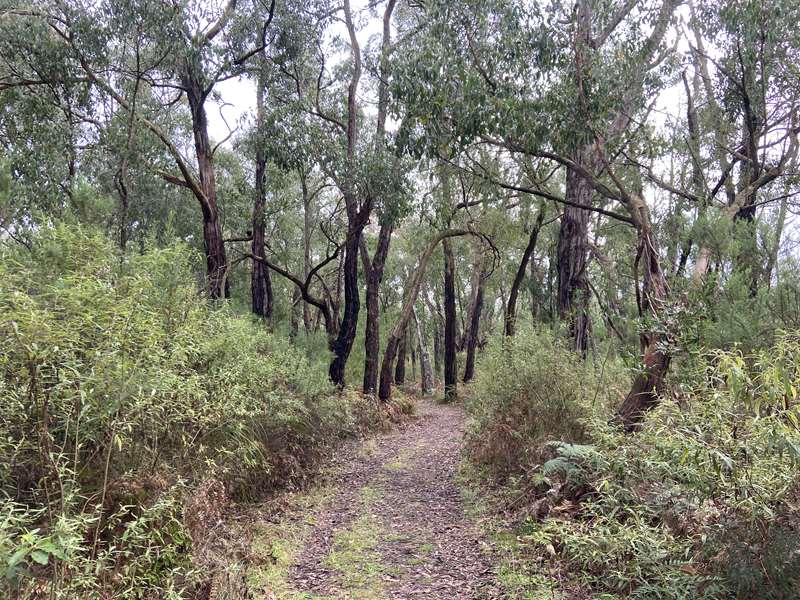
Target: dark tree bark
x,y
307,228
399,328
474,284
216,260
352,303
472,341
511,306
572,254
260,283
450,367
400,368
374,275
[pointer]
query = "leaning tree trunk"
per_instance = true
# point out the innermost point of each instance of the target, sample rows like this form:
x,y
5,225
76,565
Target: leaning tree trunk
x,y
649,383
472,342
450,368
216,261
374,274
474,284
511,306
399,328
572,255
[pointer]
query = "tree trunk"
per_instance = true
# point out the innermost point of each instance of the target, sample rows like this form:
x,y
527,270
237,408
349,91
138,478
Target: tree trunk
x,y
216,261
572,253
472,342
450,368
343,344
297,298
772,259
474,284
649,383
260,284
424,358
511,306
307,229
374,275
398,330
400,368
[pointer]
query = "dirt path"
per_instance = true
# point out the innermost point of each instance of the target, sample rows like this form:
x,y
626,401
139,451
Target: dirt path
x,y
391,523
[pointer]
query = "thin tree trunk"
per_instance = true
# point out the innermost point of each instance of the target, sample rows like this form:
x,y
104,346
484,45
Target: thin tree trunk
x,y
307,229
776,243
474,284
297,298
398,330
511,306
450,367
260,283
426,376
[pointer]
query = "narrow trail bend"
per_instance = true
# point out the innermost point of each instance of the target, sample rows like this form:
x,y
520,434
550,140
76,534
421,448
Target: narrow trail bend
x,y
393,524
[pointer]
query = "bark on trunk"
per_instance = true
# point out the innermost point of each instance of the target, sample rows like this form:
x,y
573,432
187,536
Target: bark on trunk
x,y
352,303
511,305
374,275
216,260
474,284
472,342
572,253
772,259
400,368
297,298
649,383
260,283
398,330
424,357
450,368
307,229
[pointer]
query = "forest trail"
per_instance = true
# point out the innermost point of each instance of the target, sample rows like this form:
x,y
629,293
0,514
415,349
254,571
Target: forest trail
x,y
391,522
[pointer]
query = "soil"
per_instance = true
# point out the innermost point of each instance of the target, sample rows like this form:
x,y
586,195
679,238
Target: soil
x,y
394,523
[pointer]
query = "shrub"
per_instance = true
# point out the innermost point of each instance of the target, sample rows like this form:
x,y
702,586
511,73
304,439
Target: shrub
x,y
530,389
121,391
702,503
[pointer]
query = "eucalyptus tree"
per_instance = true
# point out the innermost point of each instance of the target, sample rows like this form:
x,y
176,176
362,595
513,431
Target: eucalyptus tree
x,y
44,107
180,52
542,88
744,124
325,94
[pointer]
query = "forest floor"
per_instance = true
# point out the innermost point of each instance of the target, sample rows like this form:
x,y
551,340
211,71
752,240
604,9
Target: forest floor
x,y
388,521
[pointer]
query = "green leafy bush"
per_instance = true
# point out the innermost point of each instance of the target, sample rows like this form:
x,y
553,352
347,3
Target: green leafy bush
x,y
701,503
121,390
530,389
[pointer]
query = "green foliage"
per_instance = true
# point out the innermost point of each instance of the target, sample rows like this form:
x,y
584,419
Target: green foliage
x,y
530,389
117,383
702,503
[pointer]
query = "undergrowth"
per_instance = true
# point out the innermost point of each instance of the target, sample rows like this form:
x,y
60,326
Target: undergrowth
x,y
703,502
133,411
